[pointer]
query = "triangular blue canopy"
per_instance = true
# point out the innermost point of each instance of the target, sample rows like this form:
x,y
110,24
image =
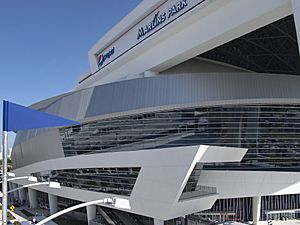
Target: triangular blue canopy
x,y
17,117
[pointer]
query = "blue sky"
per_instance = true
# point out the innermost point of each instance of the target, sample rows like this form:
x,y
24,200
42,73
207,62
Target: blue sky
x,y
44,44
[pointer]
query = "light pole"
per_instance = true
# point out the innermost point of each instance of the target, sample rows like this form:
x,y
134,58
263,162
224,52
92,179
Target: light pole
x,y
51,184
116,202
4,176
16,118
29,178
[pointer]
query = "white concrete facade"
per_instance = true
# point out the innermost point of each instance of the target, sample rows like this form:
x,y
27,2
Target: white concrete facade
x,y
296,13
33,202
158,222
91,212
16,193
52,203
163,175
245,16
256,209
22,194
125,53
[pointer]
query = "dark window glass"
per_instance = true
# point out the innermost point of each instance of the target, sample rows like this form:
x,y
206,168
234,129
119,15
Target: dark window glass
x,y
109,180
270,133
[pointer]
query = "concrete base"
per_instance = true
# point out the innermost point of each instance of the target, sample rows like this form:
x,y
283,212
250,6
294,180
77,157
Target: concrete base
x,y
52,203
256,202
158,222
91,212
22,194
32,194
16,193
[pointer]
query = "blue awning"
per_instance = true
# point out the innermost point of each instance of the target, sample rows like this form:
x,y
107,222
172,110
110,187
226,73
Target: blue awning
x,y
17,117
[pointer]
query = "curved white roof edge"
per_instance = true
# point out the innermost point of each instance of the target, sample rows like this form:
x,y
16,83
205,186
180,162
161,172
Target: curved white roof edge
x,y
130,48
137,14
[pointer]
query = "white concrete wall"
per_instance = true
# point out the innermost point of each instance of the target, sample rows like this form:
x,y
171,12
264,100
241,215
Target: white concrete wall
x,y
91,212
256,207
236,184
32,194
204,28
52,203
161,180
296,12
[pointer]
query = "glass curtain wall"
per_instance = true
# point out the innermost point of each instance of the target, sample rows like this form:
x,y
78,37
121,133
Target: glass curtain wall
x,y
108,180
240,209
270,132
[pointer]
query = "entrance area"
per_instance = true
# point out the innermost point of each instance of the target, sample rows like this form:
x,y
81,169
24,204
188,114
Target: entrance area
x,y
283,214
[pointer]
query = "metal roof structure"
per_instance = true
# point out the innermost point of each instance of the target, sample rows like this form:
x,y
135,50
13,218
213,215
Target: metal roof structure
x,y
270,49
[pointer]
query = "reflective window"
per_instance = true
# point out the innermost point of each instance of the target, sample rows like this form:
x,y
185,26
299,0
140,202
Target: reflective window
x,y
270,132
108,180
192,189
240,209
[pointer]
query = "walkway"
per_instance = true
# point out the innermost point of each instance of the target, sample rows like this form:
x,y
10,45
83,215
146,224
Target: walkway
x,y
39,214
281,222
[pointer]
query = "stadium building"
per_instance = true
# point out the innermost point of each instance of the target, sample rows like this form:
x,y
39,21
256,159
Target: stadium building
x,y
190,107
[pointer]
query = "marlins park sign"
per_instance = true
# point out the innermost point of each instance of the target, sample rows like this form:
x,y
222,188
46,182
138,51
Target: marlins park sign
x,y
160,18
154,22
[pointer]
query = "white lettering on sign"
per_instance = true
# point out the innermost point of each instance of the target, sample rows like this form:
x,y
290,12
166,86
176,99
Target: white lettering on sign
x,y
160,18
164,15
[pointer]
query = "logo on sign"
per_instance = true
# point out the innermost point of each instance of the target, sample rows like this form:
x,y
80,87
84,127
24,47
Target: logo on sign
x,y
160,18
103,57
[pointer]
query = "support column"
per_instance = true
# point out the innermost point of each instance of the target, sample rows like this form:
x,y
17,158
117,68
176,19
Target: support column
x,y
158,222
296,12
256,202
10,187
16,193
91,212
10,196
52,203
26,195
32,198
22,194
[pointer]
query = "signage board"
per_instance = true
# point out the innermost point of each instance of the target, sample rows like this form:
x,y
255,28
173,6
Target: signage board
x,y
164,15
12,208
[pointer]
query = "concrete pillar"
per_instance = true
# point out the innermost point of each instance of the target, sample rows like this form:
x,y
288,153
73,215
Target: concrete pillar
x,y
10,187
150,73
256,202
296,12
22,194
32,194
11,195
16,193
91,212
158,222
26,195
52,203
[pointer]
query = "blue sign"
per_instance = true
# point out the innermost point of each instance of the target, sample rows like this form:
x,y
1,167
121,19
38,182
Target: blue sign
x,y
103,57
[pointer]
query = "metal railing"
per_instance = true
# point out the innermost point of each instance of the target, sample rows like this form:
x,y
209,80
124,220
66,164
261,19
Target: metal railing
x,y
200,191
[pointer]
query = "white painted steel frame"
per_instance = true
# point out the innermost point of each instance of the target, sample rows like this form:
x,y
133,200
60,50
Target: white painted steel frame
x,y
161,180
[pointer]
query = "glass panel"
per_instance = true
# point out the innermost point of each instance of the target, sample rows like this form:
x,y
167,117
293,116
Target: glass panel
x,y
109,180
270,132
